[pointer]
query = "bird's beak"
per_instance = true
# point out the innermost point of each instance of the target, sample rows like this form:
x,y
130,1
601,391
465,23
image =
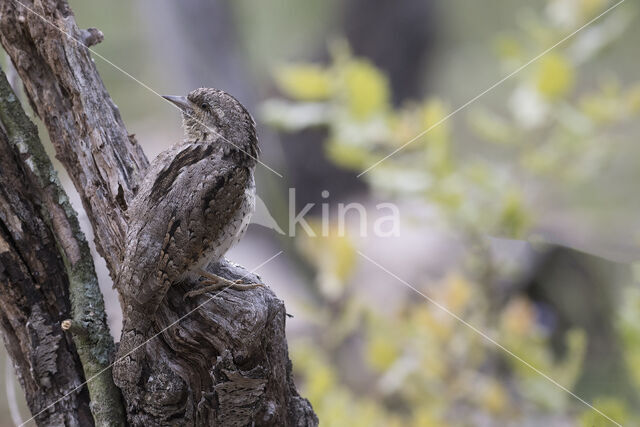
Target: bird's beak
x,y
181,101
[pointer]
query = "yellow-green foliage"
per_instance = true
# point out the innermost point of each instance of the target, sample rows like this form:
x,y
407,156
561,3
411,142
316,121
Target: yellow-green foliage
x,y
419,365
423,366
549,131
555,76
629,328
305,82
332,256
614,409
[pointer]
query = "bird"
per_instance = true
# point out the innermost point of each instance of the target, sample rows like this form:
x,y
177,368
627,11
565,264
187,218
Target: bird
x,y
192,206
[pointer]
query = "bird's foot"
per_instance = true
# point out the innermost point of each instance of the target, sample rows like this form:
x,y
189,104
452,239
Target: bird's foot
x,y
214,282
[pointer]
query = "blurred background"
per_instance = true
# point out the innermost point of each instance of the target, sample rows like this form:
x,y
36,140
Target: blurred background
x,y
517,214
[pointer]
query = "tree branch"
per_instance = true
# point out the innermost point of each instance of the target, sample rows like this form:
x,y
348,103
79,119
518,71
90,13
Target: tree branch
x,y
95,346
34,298
84,124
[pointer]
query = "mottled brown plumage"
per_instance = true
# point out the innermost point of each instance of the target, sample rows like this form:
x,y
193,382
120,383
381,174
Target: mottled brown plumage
x,y
192,206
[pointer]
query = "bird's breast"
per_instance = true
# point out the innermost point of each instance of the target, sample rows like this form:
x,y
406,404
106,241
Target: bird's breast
x,y
234,230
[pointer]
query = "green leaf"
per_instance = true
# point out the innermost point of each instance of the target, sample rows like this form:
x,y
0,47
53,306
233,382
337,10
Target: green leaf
x,y
306,82
514,220
555,76
366,88
614,408
348,156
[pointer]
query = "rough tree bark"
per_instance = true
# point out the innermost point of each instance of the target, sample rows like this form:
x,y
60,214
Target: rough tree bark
x,y
34,299
227,362
90,331
224,364
84,124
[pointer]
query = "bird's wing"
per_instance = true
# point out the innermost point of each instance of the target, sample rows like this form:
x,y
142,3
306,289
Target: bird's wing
x,y
182,208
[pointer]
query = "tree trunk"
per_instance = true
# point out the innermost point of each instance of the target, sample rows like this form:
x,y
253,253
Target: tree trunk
x,y
34,299
226,363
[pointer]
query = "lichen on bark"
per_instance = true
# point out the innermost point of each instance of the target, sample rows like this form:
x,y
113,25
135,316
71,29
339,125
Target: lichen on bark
x,y
95,346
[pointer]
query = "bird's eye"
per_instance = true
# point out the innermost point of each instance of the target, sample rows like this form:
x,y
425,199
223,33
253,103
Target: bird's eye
x,y
205,106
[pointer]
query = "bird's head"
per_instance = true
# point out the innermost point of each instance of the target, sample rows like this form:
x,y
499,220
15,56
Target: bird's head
x,y
212,115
